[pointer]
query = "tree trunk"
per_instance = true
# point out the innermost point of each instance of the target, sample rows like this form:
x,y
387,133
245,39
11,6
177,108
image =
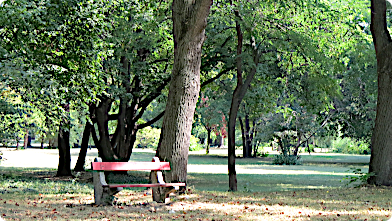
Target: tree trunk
x,y
298,143
189,22
256,144
244,153
219,140
208,140
248,140
17,143
102,142
381,156
64,167
238,95
83,148
26,139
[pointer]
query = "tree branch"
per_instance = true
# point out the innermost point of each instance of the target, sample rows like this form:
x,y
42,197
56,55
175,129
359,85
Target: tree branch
x,y
216,77
378,26
149,123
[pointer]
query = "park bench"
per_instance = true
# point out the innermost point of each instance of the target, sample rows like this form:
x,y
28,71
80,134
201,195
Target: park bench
x,y
104,192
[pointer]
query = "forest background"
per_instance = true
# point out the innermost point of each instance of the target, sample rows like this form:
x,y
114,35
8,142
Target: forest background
x,y
292,75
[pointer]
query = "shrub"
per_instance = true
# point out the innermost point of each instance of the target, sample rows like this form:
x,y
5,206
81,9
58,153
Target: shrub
x,y
261,152
282,159
148,137
349,146
194,144
360,177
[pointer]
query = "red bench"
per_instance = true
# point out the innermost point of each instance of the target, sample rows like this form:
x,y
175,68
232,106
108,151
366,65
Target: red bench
x,y
103,192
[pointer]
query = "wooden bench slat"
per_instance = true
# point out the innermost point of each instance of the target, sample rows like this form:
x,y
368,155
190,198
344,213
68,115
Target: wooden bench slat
x,y
146,185
130,166
103,191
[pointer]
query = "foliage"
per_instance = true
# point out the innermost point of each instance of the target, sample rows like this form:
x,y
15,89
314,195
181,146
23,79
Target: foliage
x,y
148,137
360,177
350,146
282,159
195,144
262,153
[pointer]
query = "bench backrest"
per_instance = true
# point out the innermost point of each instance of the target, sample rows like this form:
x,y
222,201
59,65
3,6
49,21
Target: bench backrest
x,y
129,166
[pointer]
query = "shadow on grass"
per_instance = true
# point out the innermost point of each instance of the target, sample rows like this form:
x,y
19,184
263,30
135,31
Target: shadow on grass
x,y
264,182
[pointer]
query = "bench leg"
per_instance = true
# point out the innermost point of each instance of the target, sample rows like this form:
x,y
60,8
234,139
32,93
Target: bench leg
x,y
103,195
161,194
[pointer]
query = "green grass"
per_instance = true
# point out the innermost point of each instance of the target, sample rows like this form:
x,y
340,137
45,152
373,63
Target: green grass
x,y
19,180
260,175
69,199
312,191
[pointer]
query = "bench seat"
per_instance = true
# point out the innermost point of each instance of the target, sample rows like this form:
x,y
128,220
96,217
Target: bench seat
x,y
103,192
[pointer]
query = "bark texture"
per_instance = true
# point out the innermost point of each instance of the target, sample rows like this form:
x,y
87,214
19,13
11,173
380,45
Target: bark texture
x,y
238,95
381,157
83,148
189,22
64,167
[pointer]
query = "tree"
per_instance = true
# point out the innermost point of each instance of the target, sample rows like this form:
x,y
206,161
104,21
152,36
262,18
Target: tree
x,y
189,22
291,36
380,163
53,49
83,147
137,75
210,113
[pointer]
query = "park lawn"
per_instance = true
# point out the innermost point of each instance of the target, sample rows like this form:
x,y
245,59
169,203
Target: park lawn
x,y
312,191
259,175
36,195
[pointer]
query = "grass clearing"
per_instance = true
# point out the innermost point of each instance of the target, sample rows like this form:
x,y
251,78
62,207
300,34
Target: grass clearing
x,y
44,202
312,191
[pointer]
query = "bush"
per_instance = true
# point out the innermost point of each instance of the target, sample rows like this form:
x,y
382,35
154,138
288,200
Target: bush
x,y
349,146
261,152
148,137
194,144
287,160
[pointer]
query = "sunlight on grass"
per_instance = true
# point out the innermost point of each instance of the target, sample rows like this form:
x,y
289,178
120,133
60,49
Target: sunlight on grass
x,y
270,169
71,199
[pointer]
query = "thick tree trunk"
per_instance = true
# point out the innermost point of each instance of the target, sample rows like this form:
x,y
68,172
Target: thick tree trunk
x,y
381,157
102,142
83,148
381,154
189,22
